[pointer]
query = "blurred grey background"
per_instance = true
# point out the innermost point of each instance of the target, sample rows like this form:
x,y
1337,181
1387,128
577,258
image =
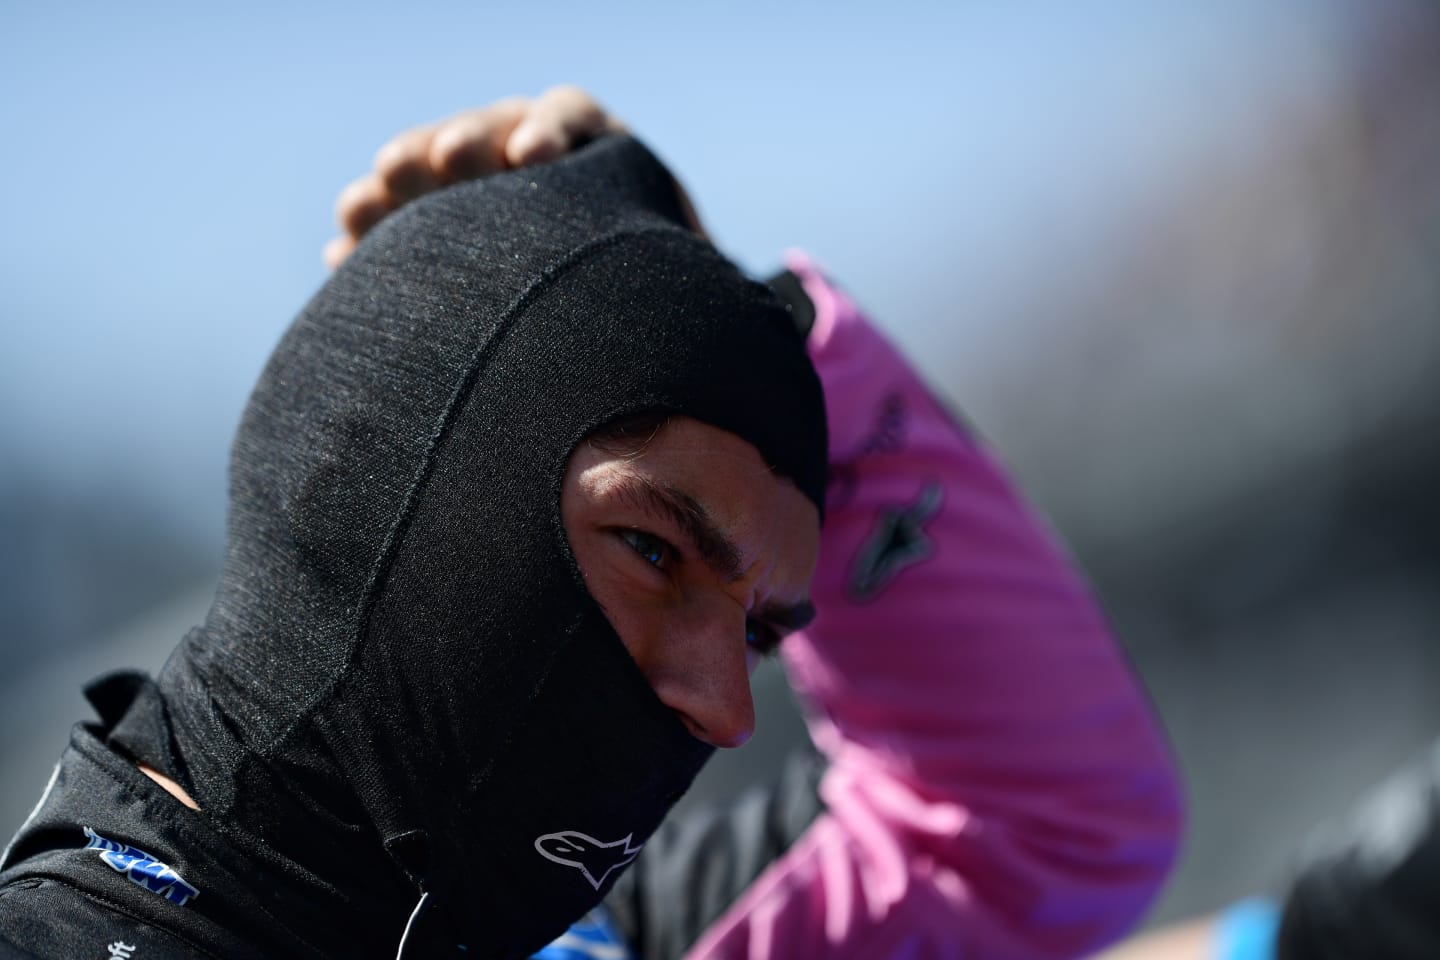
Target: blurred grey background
x,y
1177,261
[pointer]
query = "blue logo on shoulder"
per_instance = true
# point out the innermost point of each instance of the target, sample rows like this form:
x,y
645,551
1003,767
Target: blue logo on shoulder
x,y
142,869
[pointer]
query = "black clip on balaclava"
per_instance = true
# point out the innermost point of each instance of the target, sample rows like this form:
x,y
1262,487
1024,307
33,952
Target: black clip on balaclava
x,y
403,687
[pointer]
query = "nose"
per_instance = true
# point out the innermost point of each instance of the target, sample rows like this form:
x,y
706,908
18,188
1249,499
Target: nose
x,y
724,726
707,680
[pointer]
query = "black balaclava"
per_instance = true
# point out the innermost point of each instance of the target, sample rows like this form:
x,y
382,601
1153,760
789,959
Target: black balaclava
x,y
403,685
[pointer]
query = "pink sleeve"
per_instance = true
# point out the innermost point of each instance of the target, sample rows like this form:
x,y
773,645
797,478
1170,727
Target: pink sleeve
x,y
997,785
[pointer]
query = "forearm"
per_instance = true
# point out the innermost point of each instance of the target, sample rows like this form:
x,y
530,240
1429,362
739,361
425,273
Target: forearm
x,y
997,782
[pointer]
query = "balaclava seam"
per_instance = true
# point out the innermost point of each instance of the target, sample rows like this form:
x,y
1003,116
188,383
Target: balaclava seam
x,y
403,680
397,529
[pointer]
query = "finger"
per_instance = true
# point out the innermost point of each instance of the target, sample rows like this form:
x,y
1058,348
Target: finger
x,y
560,119
337,250
472,144
362,204
403,165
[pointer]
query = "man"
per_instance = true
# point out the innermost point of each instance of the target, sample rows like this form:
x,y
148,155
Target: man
x,y
517,502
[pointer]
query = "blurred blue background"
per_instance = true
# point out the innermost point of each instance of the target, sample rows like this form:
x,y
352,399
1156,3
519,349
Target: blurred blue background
x,y
1178,261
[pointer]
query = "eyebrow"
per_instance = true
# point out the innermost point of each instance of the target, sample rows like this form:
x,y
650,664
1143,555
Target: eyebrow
x,y
716,549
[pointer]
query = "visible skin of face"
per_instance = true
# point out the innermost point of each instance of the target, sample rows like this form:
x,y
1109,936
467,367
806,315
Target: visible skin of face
x,y
701,559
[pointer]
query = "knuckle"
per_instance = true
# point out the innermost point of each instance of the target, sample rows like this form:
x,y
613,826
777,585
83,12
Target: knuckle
x,y
351,195
396,162
454,137
360,206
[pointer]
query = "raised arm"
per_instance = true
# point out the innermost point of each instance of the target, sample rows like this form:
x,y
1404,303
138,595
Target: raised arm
x,y
997,786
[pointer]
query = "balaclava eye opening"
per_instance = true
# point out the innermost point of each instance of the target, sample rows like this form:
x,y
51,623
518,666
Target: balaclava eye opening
x,y
403,683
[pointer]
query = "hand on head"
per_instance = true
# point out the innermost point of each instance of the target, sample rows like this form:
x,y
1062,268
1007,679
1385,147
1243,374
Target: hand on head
x,y
508,134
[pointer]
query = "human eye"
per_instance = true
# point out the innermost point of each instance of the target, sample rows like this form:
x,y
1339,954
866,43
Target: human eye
x,y
651,548
761,637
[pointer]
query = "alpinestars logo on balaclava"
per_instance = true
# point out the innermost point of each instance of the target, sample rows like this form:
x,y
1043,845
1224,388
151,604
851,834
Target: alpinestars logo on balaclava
x,y
595,859
401,640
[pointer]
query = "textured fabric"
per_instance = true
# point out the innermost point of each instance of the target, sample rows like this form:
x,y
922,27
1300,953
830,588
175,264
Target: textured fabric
x,y
403,685
61,899
997,785
8,951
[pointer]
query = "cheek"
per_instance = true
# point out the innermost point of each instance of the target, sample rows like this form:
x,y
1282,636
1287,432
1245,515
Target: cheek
x,y
638,629
633,610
